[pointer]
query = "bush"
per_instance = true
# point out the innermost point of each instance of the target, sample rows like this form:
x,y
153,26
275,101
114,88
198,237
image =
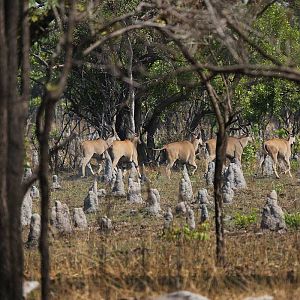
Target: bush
x,y
292,220
278,187
200,233
249,153
244,221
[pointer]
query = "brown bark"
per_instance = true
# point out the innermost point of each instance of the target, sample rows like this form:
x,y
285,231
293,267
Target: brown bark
x,y
43,138
13,110
15,145
4,220
218,183
44,119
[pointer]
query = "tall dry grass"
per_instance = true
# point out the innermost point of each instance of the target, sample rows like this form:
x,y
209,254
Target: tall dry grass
x,y
137,260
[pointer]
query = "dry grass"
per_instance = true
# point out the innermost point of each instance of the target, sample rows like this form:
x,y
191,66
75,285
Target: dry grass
x,y
136,260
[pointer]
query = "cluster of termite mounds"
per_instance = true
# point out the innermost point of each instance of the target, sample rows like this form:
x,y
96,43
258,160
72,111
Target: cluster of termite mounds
x,y
64,222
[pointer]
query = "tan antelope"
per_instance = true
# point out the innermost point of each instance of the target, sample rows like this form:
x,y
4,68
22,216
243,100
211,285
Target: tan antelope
x,y
92,147
278,149
235,147
184,151
127,149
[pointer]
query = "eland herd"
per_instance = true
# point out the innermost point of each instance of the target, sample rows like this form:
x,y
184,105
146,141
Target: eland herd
x,y
185,151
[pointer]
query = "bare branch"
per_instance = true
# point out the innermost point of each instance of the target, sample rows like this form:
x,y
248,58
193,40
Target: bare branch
x,y
63,143
120,32
254,45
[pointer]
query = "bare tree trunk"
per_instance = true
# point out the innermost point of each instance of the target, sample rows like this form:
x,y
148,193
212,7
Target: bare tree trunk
x,y
4,219
16,117
43,138
13,109
222,113
218,183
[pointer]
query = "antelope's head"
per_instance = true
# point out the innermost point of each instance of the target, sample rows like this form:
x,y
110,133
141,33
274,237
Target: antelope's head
x,y
135,139
196,141
292,140
111,138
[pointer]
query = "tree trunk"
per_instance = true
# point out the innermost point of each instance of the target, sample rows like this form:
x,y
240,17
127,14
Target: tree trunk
x,y
131,88
43,127
218,183
43,138
4,220
15,143
150,140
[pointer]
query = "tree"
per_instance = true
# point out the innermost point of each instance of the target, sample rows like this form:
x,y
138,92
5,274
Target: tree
x,y
13,108
14,94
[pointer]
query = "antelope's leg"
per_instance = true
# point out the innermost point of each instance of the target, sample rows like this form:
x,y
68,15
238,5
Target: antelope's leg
x,y
136,164
275,163
168,168
84,163
193,163
115,162
91,169
288,170
262,160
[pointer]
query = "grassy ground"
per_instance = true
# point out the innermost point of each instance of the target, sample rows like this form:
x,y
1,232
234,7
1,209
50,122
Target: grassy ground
x,y
137,260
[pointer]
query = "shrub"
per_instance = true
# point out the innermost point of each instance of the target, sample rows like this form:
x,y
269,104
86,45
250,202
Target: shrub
x,y
244,221
249,154
292,220
278,187
200,233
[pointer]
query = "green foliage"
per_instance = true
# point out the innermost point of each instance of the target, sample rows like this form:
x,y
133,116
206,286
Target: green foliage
x,y
243,221
35,102
294,165
249,154
264,98
200,233
268,98
296,145
278,187
281,133
281,33
292,220
54,134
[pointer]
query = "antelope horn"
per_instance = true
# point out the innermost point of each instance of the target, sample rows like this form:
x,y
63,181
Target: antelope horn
x,y
129,129
287,131
244,128
192,133
108,129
